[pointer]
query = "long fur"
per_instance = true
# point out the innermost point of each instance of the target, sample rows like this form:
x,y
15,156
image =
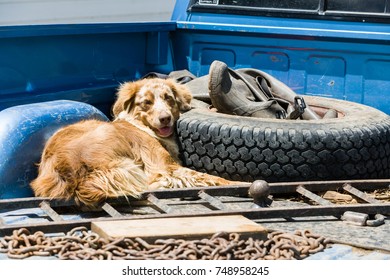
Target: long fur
x,y
92,160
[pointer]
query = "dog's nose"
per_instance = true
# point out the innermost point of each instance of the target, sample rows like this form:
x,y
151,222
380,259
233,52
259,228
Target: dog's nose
x,y
165,119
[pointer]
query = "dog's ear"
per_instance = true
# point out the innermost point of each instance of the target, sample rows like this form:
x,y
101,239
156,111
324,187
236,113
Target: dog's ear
x,y
125,96
182,94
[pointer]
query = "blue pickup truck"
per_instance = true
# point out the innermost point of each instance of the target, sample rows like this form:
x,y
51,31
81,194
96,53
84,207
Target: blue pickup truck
x,y
336,54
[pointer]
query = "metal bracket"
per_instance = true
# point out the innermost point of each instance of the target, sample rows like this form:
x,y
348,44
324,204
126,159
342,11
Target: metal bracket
x,y
362,219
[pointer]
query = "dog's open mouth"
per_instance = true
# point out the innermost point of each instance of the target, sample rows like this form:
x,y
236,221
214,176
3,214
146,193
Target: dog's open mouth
x,y
165,131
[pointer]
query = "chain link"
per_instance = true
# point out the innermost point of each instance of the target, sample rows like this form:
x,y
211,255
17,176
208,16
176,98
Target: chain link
x,y
80,244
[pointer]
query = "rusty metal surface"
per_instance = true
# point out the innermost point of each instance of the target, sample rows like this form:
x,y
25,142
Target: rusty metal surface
x,y
80,244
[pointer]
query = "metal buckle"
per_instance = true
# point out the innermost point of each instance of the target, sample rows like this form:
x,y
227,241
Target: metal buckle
x,y
299,108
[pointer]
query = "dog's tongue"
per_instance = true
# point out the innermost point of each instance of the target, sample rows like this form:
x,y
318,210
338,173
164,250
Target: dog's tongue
x,y
165,131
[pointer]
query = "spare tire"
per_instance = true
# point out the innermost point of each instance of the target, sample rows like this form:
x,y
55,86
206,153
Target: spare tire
x,y
355,145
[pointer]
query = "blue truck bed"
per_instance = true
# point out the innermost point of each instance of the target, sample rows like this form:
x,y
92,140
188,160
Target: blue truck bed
x,y
75,69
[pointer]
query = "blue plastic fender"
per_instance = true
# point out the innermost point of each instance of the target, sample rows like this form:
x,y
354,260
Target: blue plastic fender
x,y
24,131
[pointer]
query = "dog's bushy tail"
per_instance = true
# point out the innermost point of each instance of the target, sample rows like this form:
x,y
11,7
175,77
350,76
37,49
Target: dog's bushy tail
x,y
122,178
50,182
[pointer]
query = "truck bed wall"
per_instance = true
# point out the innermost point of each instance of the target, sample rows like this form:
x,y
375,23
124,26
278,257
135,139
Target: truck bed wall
x,y
344,60
82,62
349,61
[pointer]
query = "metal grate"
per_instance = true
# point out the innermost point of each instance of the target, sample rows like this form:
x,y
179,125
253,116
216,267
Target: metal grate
x,y
228,200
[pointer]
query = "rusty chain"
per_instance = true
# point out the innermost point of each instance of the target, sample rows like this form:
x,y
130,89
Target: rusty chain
x,y
80,244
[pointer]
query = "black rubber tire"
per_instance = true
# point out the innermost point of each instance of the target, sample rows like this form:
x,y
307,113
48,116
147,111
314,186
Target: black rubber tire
x,y
353,146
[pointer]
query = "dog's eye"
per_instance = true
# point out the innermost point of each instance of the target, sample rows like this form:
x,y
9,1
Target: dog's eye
x,y
169,99
144,104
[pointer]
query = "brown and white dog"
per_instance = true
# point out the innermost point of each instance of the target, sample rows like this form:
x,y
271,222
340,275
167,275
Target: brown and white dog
x,y
92,160
154,106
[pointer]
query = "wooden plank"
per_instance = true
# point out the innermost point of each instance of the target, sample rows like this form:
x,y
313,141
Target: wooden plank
x,y
182,227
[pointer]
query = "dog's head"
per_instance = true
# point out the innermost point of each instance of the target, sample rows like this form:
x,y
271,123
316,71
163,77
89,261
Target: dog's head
x,y
155,102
